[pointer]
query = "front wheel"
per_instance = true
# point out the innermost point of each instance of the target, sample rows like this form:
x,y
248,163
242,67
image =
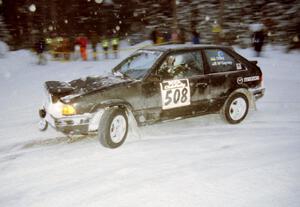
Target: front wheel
x,y
43,124
113,127
235,108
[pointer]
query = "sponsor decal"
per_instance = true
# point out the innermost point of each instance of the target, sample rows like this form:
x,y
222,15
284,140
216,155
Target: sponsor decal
x,y
240,80
175,93
221,63
220,55
219,59
239,66
251,78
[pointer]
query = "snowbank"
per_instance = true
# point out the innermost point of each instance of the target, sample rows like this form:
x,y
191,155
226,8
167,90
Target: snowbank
x,y
3,49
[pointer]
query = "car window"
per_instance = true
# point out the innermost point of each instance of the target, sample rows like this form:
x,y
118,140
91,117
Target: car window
x,y
138,64
220,61
181,65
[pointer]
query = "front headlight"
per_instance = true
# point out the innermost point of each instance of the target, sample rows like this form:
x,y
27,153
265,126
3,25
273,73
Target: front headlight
x,y
68,110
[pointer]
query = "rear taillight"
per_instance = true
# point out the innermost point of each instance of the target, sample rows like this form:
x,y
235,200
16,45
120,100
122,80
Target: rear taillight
x,y
261,80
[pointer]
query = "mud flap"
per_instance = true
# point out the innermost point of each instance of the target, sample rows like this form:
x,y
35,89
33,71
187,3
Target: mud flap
x,y
134,129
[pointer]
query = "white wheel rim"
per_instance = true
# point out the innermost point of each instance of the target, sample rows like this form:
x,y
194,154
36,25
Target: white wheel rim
x,y
118,128
237,108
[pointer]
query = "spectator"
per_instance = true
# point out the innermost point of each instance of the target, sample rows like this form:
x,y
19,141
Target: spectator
x,y
105,46
66,48
94,42
76,49
174,36
154,36
40,47
195,37
181,36
258,41
82,42
115,45
160,38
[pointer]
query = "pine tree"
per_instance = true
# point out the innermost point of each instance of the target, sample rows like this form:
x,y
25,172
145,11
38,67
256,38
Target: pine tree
x,y
69,18
4,33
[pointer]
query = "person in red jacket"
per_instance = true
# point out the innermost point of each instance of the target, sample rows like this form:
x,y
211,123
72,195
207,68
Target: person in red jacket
x,y
82,41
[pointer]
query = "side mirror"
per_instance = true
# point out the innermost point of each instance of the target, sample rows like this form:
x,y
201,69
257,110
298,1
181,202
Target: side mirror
x,y
154,78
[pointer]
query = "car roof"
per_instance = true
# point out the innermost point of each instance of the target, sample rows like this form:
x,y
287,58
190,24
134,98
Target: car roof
x,y
175,47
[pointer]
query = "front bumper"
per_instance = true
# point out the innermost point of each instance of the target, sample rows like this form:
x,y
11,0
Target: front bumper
x,y
77,124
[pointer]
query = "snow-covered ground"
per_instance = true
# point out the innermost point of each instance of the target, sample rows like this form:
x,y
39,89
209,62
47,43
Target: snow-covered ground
x,y
194,162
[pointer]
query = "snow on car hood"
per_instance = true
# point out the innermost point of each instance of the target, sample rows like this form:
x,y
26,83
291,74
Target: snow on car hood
x,y
78,87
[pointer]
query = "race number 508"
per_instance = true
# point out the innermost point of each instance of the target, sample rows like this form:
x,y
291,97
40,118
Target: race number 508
x,y
175,93
175,96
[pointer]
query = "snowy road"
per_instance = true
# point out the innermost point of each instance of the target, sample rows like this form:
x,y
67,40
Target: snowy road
x,y
194,162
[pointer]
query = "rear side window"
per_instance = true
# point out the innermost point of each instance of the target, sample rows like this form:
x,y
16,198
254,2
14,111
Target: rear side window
x,y
219,61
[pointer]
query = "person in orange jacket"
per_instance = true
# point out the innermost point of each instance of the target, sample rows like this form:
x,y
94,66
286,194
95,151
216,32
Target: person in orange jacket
x,y
83,41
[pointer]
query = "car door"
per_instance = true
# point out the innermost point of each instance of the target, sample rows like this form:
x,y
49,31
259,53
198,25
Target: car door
x,y
178,87
225,71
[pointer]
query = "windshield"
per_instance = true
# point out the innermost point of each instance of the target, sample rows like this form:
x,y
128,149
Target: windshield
x,y
137,66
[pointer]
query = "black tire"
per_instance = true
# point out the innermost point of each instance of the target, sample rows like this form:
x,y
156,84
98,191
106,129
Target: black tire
x,y
105,125
229,113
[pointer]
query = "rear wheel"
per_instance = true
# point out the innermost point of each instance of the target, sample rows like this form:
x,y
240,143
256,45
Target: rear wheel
x,y
113,127
235,108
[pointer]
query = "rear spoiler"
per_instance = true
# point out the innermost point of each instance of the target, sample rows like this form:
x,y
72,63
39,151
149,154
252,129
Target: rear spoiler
x,y
253,62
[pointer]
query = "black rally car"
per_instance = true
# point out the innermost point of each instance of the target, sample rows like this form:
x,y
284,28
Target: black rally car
x,y
155,84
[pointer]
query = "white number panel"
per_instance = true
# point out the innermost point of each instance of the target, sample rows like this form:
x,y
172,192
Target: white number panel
x,y
175,93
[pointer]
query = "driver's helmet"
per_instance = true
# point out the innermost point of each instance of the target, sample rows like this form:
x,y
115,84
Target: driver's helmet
x,y
179,60
170,61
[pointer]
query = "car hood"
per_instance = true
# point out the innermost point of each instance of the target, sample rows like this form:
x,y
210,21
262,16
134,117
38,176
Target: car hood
x,y
79,87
